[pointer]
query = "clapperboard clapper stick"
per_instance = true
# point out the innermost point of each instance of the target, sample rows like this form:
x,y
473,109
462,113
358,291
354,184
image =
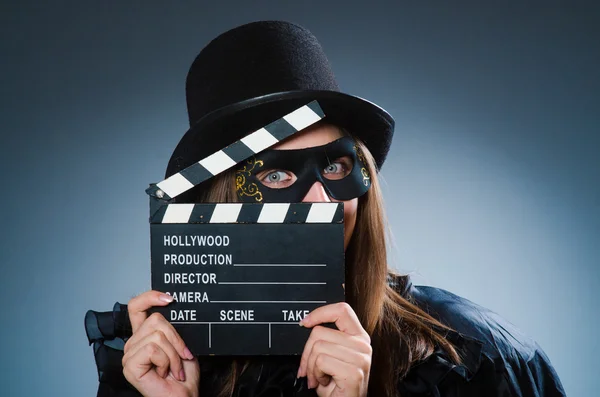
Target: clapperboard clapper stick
x,y
243,275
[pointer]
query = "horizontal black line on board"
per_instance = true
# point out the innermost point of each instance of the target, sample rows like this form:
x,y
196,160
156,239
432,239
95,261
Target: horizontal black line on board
x,y
270,283
281,264
236,322
268,301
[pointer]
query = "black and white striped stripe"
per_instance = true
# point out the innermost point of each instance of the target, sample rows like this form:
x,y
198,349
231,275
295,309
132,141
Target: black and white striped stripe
x,y
237,152
250,213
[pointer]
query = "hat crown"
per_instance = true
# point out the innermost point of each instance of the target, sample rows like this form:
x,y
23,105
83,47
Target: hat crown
x,y
253,60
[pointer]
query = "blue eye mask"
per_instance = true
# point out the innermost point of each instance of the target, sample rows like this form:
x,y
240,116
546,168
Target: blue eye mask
x,y
286,176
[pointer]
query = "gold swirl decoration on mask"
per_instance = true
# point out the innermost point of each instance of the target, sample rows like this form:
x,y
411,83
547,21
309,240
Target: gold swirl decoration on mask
x,y
365,173
360,155
249,190
366,176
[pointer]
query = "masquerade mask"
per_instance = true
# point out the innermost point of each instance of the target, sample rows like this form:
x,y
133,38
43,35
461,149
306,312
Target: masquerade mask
x,y
287,175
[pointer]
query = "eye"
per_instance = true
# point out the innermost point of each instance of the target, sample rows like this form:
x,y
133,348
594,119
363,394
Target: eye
x,y
277,179
276,176
334,168
338,169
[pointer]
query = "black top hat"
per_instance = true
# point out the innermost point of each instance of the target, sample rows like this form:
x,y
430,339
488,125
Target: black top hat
x,y
256,73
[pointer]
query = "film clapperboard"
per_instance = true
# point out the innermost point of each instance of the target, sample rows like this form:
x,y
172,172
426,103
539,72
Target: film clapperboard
x,y
242,274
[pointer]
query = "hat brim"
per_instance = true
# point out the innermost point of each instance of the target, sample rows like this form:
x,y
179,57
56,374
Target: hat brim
x,y
220,128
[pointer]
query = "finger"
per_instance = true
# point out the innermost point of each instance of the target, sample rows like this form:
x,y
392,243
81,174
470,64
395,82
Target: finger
x,y
137,307
325,391
159,339
157,322
140,364
319,333
345,376
342,353
341,314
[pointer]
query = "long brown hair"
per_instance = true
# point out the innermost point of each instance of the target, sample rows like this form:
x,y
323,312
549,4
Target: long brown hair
x,y
401,333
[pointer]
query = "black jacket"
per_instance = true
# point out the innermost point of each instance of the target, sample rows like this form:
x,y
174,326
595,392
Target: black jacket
x,y
498,360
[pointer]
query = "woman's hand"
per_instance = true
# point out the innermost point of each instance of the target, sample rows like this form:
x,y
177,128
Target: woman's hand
x,y
336,362
156,361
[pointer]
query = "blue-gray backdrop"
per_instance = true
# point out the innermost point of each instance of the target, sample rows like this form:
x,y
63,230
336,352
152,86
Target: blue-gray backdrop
x,y
492,187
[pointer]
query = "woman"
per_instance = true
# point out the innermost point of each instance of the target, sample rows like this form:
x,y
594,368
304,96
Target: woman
x,y
392,338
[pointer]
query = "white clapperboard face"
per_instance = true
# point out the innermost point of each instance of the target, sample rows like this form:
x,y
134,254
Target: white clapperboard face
x,y
243,275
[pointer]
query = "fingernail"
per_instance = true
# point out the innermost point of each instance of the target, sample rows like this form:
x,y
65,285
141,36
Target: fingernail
x,y
166,298
299,371
188,354
182,375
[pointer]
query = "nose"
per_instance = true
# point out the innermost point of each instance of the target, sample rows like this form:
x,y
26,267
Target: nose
x,y
316,194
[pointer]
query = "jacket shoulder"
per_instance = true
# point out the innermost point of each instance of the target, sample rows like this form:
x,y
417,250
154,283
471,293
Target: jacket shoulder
x,y
499,336
525,365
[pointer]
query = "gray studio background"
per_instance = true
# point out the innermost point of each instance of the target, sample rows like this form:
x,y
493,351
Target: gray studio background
x,y
492,185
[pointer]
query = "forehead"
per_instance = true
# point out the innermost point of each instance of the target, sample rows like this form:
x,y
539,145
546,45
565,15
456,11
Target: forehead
x,y
316,135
